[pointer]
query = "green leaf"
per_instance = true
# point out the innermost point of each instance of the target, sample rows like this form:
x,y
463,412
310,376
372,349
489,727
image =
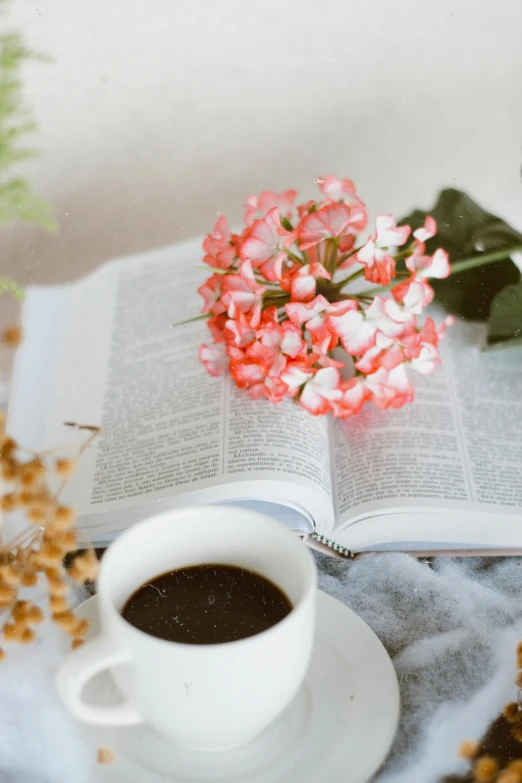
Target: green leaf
x,y
466,230
505,321
17,199
8,286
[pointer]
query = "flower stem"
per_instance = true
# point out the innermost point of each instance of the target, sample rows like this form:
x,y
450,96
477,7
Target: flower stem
x,y
293,256
350,279
203,317
489,258
348,255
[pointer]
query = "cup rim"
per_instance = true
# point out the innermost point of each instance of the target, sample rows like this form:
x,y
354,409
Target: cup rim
x,y
298,608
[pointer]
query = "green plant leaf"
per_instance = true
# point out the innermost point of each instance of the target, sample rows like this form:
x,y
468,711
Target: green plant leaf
x,y
466,230
505,321
17,199
8,286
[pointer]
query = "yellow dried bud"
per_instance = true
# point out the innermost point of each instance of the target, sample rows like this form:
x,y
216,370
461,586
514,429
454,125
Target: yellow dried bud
x,y
519,655
468,749
7,448
513,713
20,610
13,632
29,478
516,731
76,643
28,636
54,574
67,541
12,336
82,628
50,554
58,588
9,469
2,654
64,467
34,615
508,777
66,620
57,604
85,567
485,769
29,579
6,594
10,576
36,514
65,517
106,756
10,501
516,766
26,497
518,681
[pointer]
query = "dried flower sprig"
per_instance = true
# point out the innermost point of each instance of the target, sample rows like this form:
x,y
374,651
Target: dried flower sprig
x,y
485,768
33,483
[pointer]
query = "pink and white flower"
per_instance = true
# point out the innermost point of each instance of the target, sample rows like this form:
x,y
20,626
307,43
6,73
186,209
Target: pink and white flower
x,y
211,291
339,190
276,344
427,360
318,388
353,329
216,327
272,388
239,330
427,231
375,255
214,358
389,388
265,245
220,246
422,266
353,397
302,281
321,390
304,209
385,353
275,348
414,294
315,315
334,221
258,206
387,316
242,292
285,337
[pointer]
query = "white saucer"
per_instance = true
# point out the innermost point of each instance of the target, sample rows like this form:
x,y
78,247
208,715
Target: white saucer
x,y
339,727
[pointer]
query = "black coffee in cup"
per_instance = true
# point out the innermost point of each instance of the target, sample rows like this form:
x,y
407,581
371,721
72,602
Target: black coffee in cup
x,y
206,604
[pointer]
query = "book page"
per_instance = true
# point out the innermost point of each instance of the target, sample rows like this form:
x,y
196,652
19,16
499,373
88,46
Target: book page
x,y
169,429
458,446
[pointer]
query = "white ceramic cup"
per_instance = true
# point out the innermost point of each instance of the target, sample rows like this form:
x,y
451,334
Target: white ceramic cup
x,y
206,697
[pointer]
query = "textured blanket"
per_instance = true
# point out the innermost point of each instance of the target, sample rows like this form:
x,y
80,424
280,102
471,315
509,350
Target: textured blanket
x,y
451,627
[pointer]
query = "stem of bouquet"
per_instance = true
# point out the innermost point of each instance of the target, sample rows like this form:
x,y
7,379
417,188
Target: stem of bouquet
x,y
456,268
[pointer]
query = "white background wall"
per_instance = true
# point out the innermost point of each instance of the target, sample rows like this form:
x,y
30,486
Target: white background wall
x,y
155,115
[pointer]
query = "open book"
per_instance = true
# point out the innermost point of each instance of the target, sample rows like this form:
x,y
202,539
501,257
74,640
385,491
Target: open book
x,y
442,473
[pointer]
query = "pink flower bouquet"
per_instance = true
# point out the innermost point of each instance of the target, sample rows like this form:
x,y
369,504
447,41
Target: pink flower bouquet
x,y
284,321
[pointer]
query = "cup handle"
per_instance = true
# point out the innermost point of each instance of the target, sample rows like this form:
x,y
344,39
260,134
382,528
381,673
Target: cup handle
x,y
79,667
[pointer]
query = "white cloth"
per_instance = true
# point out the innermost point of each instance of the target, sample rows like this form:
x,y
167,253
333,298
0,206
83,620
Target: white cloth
x,y
451,629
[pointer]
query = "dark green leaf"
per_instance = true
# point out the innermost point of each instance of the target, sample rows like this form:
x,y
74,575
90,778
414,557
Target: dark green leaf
x,y
505,321
466,230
